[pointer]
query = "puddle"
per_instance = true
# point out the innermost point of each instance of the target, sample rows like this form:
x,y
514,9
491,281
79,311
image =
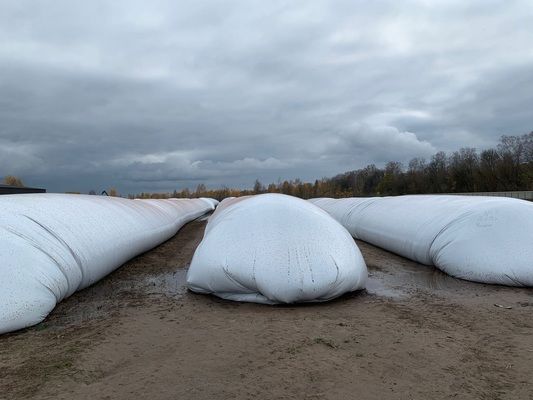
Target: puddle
x,y
171,284
110,296
404,280
392,276
380,287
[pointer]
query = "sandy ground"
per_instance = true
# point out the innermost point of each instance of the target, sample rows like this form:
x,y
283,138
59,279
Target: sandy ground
x,y
138,334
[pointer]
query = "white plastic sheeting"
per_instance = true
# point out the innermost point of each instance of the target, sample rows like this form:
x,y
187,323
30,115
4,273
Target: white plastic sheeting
x,y
274,248
214,202
52,245
481,239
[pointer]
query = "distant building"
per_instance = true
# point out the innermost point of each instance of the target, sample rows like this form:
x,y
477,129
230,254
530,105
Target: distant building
x,y
7,189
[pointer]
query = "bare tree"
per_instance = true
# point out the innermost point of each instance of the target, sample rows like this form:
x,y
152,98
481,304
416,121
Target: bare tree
x,y
258,187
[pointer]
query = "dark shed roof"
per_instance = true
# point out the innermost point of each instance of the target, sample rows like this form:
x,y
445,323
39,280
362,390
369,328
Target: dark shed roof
x,y
7,189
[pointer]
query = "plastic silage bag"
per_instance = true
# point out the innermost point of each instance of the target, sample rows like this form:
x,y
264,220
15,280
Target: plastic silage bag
x,y
481,239
52,245
273,248
214,202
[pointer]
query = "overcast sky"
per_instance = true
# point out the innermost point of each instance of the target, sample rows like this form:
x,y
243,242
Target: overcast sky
x,y
158,95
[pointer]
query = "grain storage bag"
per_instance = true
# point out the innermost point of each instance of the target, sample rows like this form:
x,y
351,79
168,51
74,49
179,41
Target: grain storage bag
x,y
273,248
481,239
52,245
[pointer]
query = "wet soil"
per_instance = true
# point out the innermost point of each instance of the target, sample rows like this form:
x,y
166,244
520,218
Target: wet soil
x,y
415,333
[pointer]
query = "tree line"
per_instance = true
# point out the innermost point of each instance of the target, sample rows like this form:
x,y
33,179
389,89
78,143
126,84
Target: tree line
x,y
507,167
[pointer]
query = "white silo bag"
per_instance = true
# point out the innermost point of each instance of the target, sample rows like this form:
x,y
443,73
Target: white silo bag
x,y
273,248
52,245
476,238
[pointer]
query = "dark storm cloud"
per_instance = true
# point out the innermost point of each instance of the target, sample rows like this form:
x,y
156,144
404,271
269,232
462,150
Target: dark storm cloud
x,y
163,95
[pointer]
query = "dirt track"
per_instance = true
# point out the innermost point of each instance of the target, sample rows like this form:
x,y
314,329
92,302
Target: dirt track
x,y
415,334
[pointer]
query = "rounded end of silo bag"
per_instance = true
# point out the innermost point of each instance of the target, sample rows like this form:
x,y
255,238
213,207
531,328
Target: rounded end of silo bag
x,y
24,305
274,248
490,243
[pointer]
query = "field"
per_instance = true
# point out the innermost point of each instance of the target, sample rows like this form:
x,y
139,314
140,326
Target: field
x,y
415,333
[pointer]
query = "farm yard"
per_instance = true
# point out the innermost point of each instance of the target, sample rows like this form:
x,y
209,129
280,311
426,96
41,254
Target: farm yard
x,y
413,333
266,200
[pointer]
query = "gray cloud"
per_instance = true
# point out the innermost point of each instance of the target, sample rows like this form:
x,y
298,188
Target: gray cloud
x,y
165,94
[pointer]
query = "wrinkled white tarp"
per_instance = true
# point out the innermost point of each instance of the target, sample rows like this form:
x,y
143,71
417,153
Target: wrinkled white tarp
x,y
214,202
481,239
274,248
52,245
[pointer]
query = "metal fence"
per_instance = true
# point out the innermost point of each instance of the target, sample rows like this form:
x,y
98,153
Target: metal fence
x,y
523,194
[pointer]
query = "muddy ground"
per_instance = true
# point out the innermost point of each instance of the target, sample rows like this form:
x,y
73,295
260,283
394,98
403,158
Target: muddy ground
x,y
138,334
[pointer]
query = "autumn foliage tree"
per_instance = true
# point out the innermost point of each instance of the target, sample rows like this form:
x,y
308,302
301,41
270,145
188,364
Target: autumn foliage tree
x,y
13,181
